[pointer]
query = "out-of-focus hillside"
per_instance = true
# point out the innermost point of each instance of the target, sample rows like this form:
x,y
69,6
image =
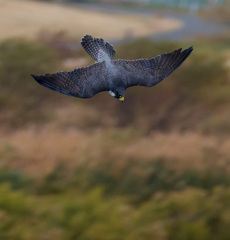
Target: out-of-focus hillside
x,y
155,167
30,19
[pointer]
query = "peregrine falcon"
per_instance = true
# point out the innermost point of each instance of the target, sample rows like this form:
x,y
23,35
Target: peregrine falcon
x,y
114,76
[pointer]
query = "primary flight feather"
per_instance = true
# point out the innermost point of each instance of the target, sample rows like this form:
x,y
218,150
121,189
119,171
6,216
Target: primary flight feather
x,y
111,75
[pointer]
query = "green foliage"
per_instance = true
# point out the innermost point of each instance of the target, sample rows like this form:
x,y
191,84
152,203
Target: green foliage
x,y
192,213
13,201
67,216
16,179
137,181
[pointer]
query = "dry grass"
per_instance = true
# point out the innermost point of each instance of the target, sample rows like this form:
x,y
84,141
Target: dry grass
x,y
38,150
185,150
28,18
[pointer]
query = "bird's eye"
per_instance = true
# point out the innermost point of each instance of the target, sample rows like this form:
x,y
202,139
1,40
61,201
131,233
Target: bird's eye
x,y
119,95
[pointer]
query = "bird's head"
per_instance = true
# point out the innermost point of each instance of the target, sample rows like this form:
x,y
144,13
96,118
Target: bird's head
x,y
118,95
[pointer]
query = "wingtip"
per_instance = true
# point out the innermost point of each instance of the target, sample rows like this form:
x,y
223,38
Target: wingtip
x,y
34,77
37,78
190,48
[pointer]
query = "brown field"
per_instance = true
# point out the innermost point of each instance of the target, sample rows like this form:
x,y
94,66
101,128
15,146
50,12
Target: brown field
x,y
27,19
39,149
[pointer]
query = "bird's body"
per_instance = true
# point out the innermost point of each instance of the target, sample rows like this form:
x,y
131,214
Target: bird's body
x,y
114,76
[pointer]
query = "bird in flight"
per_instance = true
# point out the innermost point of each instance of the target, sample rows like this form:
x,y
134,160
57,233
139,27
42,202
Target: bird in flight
x,y
114,76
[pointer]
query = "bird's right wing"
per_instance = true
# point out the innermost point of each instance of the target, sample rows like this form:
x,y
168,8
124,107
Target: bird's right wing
x,y
149,72
82,82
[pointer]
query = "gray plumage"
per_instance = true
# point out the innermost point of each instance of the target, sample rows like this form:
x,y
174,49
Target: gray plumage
x,y
112,75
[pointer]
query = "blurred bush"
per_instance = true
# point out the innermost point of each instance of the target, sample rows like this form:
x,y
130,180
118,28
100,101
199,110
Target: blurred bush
x,y
190,213
19,98
137,180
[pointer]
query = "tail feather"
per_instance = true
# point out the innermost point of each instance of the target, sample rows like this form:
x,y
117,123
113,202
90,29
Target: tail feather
x,y
98,49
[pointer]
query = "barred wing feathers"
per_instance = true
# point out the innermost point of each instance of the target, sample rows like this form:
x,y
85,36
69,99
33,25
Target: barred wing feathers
x,y
149,72
81,82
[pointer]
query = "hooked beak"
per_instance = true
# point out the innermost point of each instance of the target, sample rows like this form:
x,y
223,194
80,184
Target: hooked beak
x,y
122,99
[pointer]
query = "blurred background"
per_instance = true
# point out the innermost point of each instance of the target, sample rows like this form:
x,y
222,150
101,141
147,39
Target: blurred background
x,y
155,167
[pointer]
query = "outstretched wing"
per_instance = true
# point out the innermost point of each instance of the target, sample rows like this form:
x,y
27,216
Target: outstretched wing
x,y
81,82
149,72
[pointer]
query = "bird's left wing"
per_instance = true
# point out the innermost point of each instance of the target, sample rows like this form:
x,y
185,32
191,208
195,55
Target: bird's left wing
x,y
149,72
81,82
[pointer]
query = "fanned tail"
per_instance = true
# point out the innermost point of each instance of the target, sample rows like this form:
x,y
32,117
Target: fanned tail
x,y
98,49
